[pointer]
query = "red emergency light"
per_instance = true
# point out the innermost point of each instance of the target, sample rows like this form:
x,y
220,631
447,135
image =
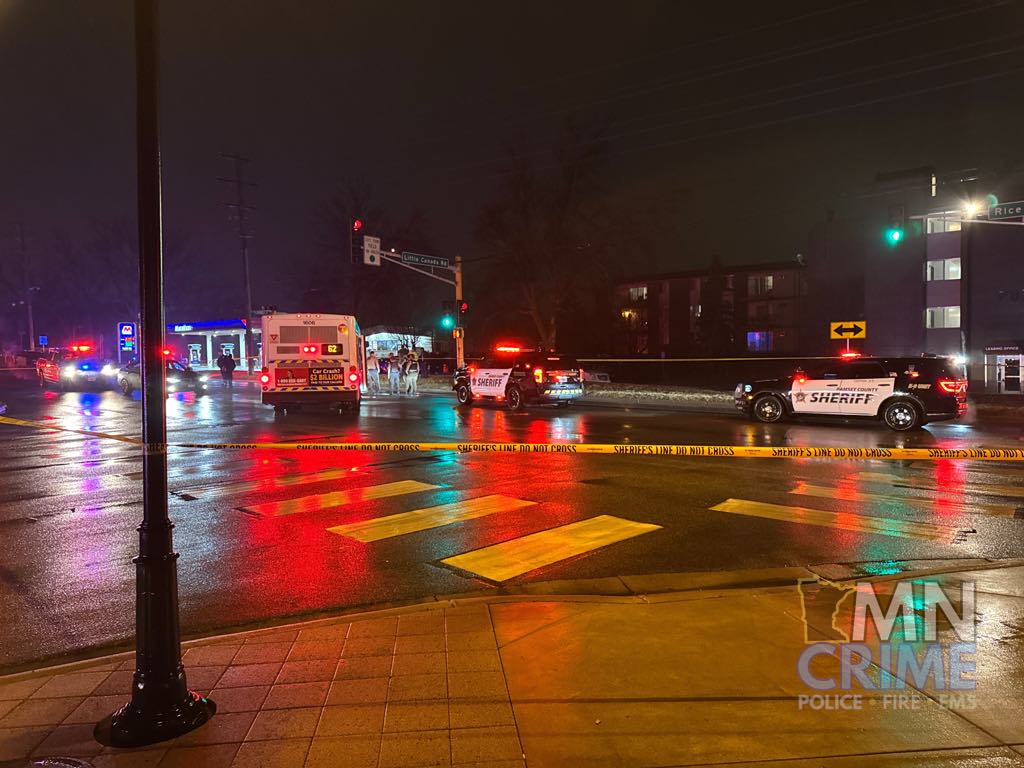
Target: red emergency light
x,y
507,348
81,347
166,352
850,355
309,349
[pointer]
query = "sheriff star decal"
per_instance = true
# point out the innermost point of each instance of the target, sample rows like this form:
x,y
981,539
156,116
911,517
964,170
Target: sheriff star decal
x,y
801,396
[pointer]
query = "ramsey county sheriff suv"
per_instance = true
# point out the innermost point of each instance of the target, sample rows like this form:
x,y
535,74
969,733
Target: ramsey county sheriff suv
x,y
520,376
903,392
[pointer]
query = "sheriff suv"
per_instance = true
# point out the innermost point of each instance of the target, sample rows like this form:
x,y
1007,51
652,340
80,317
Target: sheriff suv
x,y
903,392
518,376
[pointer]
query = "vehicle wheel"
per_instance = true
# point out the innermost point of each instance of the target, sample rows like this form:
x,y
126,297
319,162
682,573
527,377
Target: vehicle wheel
x,y
126,386
901,416
463,395
769,409
280,410
514,398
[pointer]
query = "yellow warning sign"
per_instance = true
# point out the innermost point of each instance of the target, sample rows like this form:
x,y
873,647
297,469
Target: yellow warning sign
x,y
848,329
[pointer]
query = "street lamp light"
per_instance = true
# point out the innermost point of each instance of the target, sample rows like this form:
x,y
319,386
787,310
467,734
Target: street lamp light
x,y
971,209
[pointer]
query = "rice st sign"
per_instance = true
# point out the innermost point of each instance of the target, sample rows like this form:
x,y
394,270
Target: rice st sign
x,y
1007,210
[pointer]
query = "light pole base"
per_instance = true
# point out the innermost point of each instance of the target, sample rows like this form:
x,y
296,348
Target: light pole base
x,y
135,726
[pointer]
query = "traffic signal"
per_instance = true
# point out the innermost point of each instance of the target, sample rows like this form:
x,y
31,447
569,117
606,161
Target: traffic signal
x,y
355,241
447,315
897,228
463,308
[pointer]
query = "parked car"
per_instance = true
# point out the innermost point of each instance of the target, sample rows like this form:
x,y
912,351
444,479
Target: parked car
x,y
180,378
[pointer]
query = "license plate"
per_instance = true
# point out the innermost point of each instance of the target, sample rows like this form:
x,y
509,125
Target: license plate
x,y
322,377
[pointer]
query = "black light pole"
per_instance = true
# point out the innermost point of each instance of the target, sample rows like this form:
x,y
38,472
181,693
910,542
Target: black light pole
x,y
161,705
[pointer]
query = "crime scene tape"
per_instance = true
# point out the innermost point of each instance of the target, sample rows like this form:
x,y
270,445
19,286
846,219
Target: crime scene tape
x,y
646,450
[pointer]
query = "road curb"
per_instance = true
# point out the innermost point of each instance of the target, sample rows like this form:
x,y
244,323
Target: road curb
x,y
611,587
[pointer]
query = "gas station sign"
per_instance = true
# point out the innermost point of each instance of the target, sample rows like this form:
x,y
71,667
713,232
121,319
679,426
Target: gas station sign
x,y
127,337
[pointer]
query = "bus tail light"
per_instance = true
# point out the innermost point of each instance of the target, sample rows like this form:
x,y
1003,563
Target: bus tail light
x,y
265,378
353,374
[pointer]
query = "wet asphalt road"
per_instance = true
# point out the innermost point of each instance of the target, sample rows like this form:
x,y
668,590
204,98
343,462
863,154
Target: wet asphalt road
x,y
69,505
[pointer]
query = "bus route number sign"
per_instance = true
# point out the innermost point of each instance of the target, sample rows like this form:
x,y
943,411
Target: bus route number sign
x,y
331,350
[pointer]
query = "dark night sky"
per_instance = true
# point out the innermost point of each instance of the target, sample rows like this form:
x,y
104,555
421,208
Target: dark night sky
x,y
735,116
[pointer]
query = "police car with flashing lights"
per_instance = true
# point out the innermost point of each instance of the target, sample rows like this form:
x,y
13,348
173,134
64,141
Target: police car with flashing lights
x,y
74,368
518,377
904,393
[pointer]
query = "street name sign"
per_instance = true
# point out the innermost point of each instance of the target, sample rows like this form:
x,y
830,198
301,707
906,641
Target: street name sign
x,y
1006,210
848,329
371,251
423,260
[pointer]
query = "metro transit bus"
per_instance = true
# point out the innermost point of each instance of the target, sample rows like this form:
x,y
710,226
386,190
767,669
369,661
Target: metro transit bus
x,y
311,360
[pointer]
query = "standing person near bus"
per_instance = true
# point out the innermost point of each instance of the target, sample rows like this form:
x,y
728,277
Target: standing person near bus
x,y
394,372
226,363
412,375
373,374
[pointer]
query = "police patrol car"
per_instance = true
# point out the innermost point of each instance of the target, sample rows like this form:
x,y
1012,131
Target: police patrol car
x,y
518,376
904,392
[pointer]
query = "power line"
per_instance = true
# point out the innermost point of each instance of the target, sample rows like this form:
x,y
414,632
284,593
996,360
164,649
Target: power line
x,y
778,121
772,103
244,235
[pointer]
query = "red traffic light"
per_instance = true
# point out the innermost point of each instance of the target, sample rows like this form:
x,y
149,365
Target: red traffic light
x,y
463,307
357,224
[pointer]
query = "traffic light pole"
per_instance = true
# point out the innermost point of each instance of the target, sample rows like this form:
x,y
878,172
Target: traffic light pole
x,y
460,341
161,705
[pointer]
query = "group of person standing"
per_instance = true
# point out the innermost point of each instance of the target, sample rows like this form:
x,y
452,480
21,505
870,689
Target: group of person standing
x,y
402,371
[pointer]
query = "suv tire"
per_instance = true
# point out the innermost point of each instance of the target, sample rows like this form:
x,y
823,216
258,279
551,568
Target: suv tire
x,y
768,409
902,416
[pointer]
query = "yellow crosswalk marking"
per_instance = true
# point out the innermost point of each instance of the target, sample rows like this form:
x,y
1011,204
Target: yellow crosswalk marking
x,y
846,521
918,502
512,558
317,502
431,517
265,484
985,489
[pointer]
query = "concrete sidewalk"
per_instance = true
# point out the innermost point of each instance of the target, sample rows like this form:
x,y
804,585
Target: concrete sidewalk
x,y
703,676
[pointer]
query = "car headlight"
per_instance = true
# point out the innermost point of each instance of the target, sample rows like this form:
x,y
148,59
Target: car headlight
x,y
108,370
172,379
69,371
204,378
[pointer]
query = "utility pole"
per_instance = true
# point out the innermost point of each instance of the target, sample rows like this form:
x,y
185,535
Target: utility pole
x,y
28,288
460,341
161,706
244,235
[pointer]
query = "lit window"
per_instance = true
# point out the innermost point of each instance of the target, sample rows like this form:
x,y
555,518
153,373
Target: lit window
x,y
942,317
760,285
638,293
943,269
759,341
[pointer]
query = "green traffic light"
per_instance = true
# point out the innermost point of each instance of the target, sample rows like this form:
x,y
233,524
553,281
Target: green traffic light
x,y
447,322
894,235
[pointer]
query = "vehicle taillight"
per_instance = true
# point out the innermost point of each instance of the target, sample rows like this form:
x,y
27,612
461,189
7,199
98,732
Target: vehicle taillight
x,y
265,378
538,375
953,386
309,348
353,374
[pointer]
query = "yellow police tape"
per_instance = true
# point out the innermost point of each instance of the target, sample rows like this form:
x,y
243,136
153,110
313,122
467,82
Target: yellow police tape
x,y
651,450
